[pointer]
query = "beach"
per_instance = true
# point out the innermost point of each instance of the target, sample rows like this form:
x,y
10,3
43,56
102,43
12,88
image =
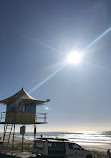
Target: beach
x,y
17,150
99,151
27,154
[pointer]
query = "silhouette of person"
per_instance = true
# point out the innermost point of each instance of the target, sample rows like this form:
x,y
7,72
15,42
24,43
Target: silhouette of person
x,y
108,153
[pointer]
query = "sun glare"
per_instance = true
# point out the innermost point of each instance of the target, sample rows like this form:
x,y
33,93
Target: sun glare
x,y
74,58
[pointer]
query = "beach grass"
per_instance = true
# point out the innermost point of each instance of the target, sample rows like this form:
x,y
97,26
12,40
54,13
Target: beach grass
x,y
17,146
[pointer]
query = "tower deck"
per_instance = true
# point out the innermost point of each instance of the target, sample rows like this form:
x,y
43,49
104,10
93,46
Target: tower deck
x,y
40,118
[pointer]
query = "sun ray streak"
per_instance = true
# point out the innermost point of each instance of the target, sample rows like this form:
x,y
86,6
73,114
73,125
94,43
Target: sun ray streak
x,y
49,77
98,66
40,43
97,39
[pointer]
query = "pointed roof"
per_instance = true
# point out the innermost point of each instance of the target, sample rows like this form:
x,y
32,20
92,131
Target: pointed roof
x,y
20,96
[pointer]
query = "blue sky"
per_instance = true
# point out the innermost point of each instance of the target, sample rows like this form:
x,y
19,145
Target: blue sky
x,y
35,38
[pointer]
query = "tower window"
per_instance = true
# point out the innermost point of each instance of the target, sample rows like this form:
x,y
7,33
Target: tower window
x,y
29,108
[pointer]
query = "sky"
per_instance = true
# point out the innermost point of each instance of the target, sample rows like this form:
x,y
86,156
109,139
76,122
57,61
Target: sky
x,y
35,38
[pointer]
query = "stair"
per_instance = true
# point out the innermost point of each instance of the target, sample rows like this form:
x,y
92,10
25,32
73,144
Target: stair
x,y
9,129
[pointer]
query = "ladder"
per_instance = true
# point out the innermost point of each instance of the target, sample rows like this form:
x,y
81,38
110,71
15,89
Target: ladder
x,y
9,129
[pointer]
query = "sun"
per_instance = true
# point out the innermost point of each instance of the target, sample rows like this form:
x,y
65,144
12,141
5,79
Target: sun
x,y
74,58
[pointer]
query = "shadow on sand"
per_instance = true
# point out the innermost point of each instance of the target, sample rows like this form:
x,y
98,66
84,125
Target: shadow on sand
x,y
2,155
7,156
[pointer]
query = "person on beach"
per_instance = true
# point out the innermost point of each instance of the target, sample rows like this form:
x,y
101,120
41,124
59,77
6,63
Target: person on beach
x,y
108,153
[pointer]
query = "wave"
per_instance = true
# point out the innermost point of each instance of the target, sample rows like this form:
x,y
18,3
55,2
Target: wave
x,y
92,138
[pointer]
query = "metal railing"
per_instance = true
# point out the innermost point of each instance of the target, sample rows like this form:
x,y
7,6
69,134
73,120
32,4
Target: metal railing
x,y
2,116
39,117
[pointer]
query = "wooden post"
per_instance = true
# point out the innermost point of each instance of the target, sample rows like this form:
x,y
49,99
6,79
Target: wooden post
x,y
13,138
34,131
44,117
22,132
22,142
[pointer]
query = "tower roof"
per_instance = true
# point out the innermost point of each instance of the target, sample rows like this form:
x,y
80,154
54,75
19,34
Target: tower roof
x,y
22,95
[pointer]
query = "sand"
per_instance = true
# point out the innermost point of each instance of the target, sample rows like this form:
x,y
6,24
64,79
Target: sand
x,y
99,152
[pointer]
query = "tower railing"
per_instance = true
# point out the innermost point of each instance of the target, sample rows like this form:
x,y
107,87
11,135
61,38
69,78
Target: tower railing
x,y
2,116
40,118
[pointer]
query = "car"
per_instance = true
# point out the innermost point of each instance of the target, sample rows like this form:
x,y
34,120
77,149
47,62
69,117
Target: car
x,y
59,148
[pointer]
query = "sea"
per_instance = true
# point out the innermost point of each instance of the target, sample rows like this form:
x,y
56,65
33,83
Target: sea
x,y
101,140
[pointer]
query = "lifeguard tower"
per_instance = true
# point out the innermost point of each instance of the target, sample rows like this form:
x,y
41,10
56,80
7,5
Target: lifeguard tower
x,y
21,110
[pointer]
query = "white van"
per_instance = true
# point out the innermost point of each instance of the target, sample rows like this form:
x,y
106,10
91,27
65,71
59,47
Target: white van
x,y
59,148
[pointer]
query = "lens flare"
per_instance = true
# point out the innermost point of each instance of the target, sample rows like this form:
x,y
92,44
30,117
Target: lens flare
x,y
72,58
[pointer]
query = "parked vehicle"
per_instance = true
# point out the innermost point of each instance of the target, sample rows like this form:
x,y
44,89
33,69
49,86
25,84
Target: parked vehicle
x,y
59,148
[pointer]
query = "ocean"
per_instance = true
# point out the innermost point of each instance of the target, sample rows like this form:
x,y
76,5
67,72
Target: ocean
x,y
100,139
